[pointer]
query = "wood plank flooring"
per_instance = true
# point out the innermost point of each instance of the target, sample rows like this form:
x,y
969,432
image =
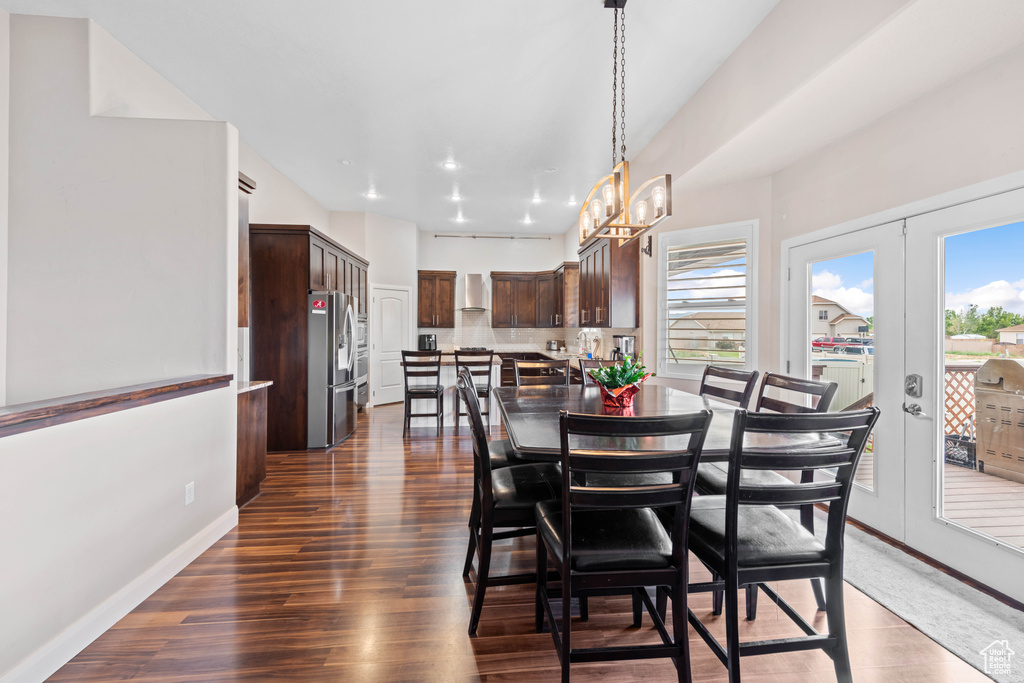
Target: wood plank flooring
x,y
348,568
989,504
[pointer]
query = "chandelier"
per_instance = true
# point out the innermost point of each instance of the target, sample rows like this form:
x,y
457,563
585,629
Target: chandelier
x,y
610,211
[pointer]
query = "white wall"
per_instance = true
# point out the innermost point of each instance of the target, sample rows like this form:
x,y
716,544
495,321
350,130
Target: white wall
x,y
391,250
122,268
5,101
277,199
120,229
348,228
97,520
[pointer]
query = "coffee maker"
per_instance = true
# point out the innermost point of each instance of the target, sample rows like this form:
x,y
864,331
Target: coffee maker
x,y
428,342
623,346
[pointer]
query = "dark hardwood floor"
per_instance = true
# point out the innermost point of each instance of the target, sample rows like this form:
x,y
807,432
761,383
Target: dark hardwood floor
x,y
348,568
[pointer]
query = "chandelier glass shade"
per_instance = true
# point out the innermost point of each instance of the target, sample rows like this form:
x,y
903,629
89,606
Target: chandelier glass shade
x,y
610,211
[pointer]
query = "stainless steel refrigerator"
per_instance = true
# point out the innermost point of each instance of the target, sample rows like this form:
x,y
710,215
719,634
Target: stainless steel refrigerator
x,y
333,371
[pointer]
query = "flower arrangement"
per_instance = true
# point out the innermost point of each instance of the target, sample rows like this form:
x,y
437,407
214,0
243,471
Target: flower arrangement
x,y
620,382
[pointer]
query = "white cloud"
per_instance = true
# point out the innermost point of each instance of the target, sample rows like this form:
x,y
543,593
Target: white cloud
x,y
868,284
998,293
730,292
825,280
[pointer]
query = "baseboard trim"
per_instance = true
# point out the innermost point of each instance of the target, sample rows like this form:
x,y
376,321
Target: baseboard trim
x,y
53,655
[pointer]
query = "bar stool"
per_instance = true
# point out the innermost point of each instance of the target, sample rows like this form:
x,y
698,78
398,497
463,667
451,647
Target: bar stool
x,y
480,365
424,368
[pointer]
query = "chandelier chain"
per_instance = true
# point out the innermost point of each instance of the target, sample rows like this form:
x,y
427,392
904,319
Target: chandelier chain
x,y
622,87
615,85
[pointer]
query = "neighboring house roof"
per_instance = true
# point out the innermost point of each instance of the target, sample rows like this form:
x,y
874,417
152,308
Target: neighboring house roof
x,y
1015,328
845,316
968,336
719,320
815,299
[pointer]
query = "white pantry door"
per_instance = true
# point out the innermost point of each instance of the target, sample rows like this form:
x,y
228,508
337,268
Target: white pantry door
x,y
390,334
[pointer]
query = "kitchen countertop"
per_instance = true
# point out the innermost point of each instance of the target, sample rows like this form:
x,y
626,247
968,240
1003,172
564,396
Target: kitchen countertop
x,y
253,385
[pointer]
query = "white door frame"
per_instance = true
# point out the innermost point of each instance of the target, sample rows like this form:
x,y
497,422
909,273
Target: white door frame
x,y
881,506
410,342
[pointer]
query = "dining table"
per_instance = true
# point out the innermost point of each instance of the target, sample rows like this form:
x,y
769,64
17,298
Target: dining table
x,y
530,415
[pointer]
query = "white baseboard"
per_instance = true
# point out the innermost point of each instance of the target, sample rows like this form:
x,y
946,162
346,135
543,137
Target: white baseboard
x,y
50,657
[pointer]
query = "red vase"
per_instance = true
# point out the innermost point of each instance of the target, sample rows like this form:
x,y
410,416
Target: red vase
x,y
620,397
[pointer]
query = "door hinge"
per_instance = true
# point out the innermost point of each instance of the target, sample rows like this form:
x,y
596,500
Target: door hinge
x,y
903,228
789,274
787,367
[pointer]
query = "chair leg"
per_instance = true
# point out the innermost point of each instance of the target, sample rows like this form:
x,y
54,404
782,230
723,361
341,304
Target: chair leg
x,y
638,609
680,634
458,409
716,596
542,584
732,628
405,420
835,613
662,604
751,601
807,522
440,413
584,608
483,567
566,622
474,524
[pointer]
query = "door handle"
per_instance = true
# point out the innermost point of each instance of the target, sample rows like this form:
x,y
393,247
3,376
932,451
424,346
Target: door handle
x,y
914,409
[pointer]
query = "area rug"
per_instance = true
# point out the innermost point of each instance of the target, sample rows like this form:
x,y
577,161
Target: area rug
x,y
968,623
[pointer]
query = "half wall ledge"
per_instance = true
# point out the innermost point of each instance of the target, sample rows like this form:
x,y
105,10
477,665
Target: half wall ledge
x,y
25,417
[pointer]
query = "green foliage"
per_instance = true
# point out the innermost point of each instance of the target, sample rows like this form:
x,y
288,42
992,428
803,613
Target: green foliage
x,y
962,322
725,345
996,318
621,374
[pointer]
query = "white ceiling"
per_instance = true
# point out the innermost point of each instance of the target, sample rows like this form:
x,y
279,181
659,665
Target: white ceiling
x,y
509,88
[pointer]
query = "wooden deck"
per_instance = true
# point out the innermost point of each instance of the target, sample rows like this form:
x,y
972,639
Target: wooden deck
x,y
989,504
348,568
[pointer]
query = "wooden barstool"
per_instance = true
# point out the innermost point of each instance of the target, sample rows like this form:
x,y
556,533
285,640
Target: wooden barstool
x,y
424,367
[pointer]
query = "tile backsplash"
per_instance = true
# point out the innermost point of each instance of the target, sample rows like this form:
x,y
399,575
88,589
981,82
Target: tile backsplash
x,y
473,328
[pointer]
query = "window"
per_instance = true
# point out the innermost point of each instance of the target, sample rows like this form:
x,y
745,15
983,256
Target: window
x,y
1020,338
706,290
822,315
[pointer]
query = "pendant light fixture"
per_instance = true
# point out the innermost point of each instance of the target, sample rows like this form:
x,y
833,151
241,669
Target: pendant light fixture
x,y
610,211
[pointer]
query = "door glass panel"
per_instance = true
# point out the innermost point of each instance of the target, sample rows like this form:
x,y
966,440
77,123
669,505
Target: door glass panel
x,y
842,338
982,477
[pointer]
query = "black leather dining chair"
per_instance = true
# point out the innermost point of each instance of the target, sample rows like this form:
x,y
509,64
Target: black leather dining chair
x,y
737,388
541,372
423,368
587,364
712,476
608,537
502,499
744,538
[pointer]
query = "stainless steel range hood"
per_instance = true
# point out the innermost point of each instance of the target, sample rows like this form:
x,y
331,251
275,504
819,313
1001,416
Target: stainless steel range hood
x,y
473,293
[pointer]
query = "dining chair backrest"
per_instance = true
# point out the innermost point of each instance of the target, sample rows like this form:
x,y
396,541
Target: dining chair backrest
x,y
481,455
824,391
479,364
843,438
629,446
587,364
738,388
541,372
422,367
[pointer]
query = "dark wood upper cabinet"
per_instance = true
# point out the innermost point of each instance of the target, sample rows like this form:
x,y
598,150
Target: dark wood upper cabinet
x,y
502,296
513,299
609,284
547,307
566,295
436,298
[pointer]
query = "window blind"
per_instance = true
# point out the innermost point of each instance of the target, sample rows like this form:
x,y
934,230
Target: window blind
x,y
706,304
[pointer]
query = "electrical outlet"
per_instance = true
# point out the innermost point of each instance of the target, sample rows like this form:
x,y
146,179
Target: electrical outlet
x,y
190,492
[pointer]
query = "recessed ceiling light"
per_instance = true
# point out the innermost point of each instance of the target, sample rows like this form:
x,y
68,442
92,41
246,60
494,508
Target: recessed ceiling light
x,y
552,169
460,218
572,201
536,198
456,197
344,162
527,220
449,165
371,194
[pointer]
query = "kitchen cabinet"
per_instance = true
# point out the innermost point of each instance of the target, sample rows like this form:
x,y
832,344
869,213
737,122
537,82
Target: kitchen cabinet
x,y
513,299
285,262
546,304
566,278
609,284
436,298
251,443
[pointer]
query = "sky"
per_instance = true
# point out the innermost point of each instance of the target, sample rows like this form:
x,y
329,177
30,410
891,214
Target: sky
x,y
983,267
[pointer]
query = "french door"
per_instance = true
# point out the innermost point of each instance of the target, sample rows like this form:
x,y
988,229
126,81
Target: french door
x,y
945,471
837,287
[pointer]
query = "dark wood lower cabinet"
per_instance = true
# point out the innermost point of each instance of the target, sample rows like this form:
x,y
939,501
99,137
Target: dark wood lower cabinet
x,y
251,459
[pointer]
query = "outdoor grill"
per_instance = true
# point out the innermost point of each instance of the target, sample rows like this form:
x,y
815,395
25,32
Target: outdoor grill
x,y
999,395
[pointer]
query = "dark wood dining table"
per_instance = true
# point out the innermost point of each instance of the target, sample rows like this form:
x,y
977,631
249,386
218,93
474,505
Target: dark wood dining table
x,y
530,415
